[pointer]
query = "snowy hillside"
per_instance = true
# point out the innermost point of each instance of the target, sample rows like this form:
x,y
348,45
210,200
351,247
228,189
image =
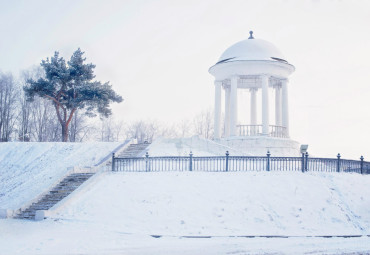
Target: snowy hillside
x,y
219,204
28,169
151,212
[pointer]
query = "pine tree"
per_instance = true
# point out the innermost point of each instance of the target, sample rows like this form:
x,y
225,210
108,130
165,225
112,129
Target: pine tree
x,y
71,87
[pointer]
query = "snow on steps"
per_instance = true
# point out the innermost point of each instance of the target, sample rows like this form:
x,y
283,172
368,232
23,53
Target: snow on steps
x,y
134,150
62,190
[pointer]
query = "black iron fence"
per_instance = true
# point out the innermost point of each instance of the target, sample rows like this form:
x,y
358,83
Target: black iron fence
x,y
229,163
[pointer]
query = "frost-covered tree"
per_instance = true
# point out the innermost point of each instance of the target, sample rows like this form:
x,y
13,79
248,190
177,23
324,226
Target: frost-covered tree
x,y
71,87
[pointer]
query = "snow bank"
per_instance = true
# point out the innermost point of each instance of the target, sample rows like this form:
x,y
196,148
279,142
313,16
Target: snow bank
x,y
227,204
28,169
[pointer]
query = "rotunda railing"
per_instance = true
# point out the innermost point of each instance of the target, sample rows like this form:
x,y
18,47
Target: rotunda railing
x,y
256,130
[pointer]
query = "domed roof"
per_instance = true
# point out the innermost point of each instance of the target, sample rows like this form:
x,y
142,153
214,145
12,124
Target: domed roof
x,y
252,49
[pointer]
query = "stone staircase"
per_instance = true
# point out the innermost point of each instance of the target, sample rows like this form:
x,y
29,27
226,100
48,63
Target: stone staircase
x,y
71,183
63,189
134,150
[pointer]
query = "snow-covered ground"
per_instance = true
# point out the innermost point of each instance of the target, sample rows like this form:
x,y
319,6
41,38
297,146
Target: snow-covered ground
x,y
160,212
219,204
28,169
66,237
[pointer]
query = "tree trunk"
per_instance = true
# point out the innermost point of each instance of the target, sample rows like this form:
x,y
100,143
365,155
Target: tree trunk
x,y
64,132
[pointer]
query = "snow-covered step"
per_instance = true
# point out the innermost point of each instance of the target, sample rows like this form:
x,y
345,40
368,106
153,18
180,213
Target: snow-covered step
x,y
134,150
59,192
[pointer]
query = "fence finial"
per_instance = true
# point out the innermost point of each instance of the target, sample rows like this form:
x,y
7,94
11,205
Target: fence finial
x,y
306,162
227,161
338,163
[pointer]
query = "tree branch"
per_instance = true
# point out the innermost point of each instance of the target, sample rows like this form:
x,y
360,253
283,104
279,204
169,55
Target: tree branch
x,y
53,99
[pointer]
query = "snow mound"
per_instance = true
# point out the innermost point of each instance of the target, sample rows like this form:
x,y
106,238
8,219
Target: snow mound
x,y
226,204
28,169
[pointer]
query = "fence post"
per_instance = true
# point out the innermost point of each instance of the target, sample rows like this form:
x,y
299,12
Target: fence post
x,y
338,163
302,162
146,162
113,164
306,162
362,164
227,161
268,161
191,161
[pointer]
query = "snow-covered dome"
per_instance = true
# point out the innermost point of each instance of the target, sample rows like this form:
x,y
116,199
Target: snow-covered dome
x,y
252,49
251,57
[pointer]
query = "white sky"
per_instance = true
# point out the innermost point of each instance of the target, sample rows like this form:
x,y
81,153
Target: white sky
x,y
157,54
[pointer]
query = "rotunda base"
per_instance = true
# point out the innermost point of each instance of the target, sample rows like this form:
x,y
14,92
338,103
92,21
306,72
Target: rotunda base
x,y
259,145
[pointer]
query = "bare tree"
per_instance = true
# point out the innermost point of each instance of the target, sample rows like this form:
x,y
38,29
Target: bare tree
x,y
184,128
79,128
42,120
118,129
203,124
111,130
144,131
8,106
136,130
25,120
106,130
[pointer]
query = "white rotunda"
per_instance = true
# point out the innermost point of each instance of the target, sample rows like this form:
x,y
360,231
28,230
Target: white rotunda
x,y
258,67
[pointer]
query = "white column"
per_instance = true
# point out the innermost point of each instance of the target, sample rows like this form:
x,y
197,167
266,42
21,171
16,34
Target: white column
x,y
227,111
253,130
217,127
265,104
278,105
233,105
284,106
253,92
